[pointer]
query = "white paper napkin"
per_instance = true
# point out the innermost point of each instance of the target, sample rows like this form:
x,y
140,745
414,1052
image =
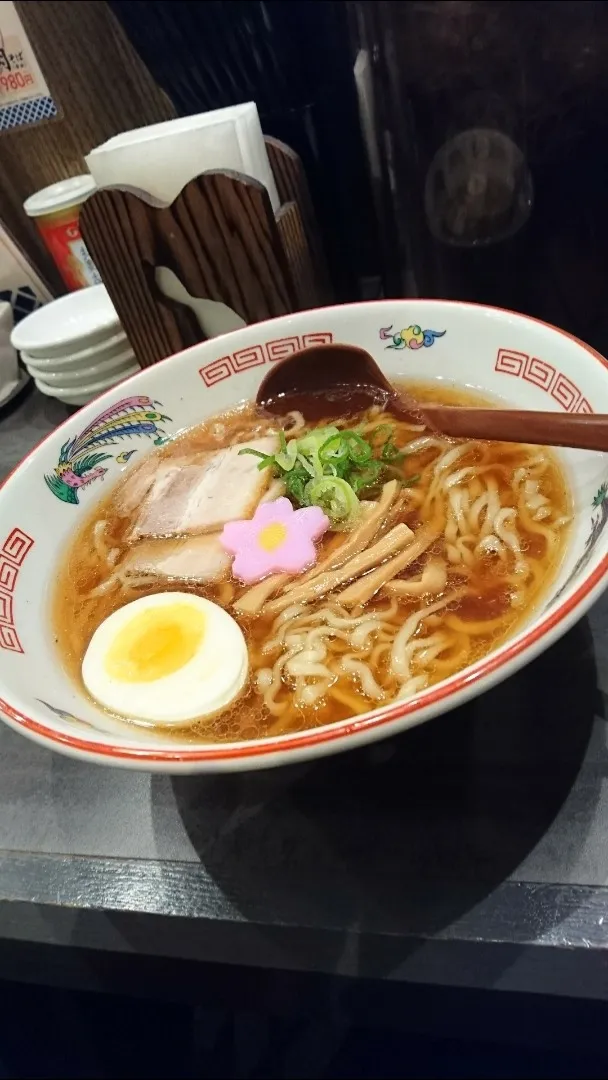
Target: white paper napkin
x,y
162,158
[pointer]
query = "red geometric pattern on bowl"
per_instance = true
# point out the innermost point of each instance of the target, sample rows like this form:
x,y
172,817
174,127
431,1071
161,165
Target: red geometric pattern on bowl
x,y
539,372
246,358
265,353
13,552
216,371
282,347
510,362
8,574
6,609
566,393
324,337
545,376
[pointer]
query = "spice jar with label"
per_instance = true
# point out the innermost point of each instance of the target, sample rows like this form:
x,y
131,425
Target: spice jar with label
x,y
56,212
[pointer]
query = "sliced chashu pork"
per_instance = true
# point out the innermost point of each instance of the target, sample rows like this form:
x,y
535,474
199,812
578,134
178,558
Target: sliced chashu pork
x,y
196,559
200,498
130,495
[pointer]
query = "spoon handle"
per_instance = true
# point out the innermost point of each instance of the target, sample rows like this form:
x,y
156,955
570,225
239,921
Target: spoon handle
x,y
581,430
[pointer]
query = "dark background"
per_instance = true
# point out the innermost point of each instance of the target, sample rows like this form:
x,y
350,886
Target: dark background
x,y
250,1024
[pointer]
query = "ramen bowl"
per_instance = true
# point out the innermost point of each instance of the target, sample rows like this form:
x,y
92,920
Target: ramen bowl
x,y
510,358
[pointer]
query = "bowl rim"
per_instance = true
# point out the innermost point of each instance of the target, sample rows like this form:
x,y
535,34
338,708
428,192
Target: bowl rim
x,y
262,749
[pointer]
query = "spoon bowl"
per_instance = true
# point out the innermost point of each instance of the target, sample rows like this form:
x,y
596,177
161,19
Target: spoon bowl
x,y
319,380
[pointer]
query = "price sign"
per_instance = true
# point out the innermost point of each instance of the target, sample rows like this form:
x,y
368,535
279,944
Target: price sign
x,y
24,95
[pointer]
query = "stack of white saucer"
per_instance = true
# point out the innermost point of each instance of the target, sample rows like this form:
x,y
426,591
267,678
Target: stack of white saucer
x,y
75,347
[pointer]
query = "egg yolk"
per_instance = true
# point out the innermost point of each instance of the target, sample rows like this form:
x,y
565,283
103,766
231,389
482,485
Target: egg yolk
x,y
272,536
155,643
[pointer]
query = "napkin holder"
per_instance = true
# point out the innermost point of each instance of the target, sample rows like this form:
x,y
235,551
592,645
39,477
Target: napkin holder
x,y
223,242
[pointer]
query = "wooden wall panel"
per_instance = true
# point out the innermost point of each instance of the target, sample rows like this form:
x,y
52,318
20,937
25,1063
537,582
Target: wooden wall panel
x,y
101,87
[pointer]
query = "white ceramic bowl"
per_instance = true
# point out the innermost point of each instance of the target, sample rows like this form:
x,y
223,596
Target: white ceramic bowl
x,y
77,377
67,325
105,348
526,363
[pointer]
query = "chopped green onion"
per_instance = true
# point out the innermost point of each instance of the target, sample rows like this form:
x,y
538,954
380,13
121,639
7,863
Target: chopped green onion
x,y
359,450
254,453
266,459
391,453
295,483
336,498
345,446
382,429
309,445
330,468
367,477
286,458
334,450
309,466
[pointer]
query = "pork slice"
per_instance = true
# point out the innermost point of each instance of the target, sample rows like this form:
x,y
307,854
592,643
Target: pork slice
x,y
201,497
153,469
199,559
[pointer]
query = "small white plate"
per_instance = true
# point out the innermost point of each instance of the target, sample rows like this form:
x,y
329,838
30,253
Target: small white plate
x,y
90,390
76,398
68,324
83,358
81,376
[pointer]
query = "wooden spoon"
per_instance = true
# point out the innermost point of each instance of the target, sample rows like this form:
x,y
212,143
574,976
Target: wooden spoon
x,y
329,380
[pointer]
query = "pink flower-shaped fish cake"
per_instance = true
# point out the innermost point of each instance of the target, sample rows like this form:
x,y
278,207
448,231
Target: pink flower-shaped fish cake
x,y
277,539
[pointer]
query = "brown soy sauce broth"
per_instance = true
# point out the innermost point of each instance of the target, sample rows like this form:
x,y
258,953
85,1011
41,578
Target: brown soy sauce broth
x,y
486,608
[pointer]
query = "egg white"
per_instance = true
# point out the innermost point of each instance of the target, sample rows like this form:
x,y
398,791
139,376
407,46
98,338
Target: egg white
x,y
206,684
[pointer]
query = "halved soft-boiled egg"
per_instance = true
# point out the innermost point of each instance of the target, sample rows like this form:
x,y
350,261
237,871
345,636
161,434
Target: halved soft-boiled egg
x,y
166,659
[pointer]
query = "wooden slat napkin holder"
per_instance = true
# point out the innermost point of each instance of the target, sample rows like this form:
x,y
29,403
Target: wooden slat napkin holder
x,y
223,242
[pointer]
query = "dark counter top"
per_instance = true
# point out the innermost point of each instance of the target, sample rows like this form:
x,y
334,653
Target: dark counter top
x,y
472,851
